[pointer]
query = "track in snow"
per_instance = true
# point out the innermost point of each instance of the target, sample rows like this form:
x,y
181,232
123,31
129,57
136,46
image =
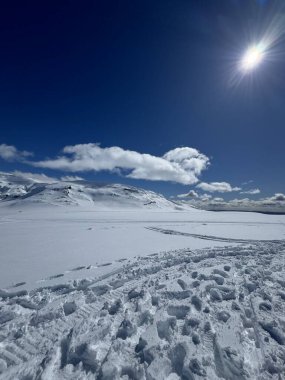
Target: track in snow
x,y
207,237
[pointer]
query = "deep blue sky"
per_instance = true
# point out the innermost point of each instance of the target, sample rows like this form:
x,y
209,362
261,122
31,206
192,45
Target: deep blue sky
x,y
147,76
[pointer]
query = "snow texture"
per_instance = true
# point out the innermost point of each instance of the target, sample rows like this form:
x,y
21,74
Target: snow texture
x,y
164,316
138,293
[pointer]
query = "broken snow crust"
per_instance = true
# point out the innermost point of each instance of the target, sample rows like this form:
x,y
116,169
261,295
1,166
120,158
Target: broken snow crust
x,y
213,313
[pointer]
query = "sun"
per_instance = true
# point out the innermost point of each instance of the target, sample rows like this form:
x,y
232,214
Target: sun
x,y
252,58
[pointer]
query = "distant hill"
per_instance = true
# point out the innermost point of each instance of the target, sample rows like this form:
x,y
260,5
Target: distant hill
x,y
17,189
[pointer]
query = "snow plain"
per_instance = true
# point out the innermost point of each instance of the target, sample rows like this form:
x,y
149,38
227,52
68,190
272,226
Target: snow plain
x,y
41,241
137,293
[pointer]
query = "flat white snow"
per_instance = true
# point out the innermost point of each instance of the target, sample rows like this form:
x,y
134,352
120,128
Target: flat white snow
x,y
39,242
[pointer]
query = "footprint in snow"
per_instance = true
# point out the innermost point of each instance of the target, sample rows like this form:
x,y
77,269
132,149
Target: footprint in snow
x,y
104,265
18,284
121,260
55,276
78,268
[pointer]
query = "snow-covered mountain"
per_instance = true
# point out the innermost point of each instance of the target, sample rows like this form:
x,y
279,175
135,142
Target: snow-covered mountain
x,y
23,190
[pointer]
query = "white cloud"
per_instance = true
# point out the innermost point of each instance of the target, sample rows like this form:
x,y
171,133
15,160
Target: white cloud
x,y
278,197
68,178
205,197
35,177
11,153
193,195
189,159
190,194
251,191
181,165
25,178
218,199
220,187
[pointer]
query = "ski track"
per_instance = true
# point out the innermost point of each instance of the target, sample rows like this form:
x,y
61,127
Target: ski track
x,y
216,313
205,237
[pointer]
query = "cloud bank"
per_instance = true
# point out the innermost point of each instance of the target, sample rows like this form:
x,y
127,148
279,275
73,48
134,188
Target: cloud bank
x,y
273,204
181,165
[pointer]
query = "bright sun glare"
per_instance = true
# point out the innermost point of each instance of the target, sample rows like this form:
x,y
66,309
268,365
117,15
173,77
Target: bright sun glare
x,y
252,57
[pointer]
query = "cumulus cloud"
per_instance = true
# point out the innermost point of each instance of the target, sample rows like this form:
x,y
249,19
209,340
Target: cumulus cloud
x,y
190,159
251,191
181,165
11,153
278,197
219,187
205,197
193,195
190,194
